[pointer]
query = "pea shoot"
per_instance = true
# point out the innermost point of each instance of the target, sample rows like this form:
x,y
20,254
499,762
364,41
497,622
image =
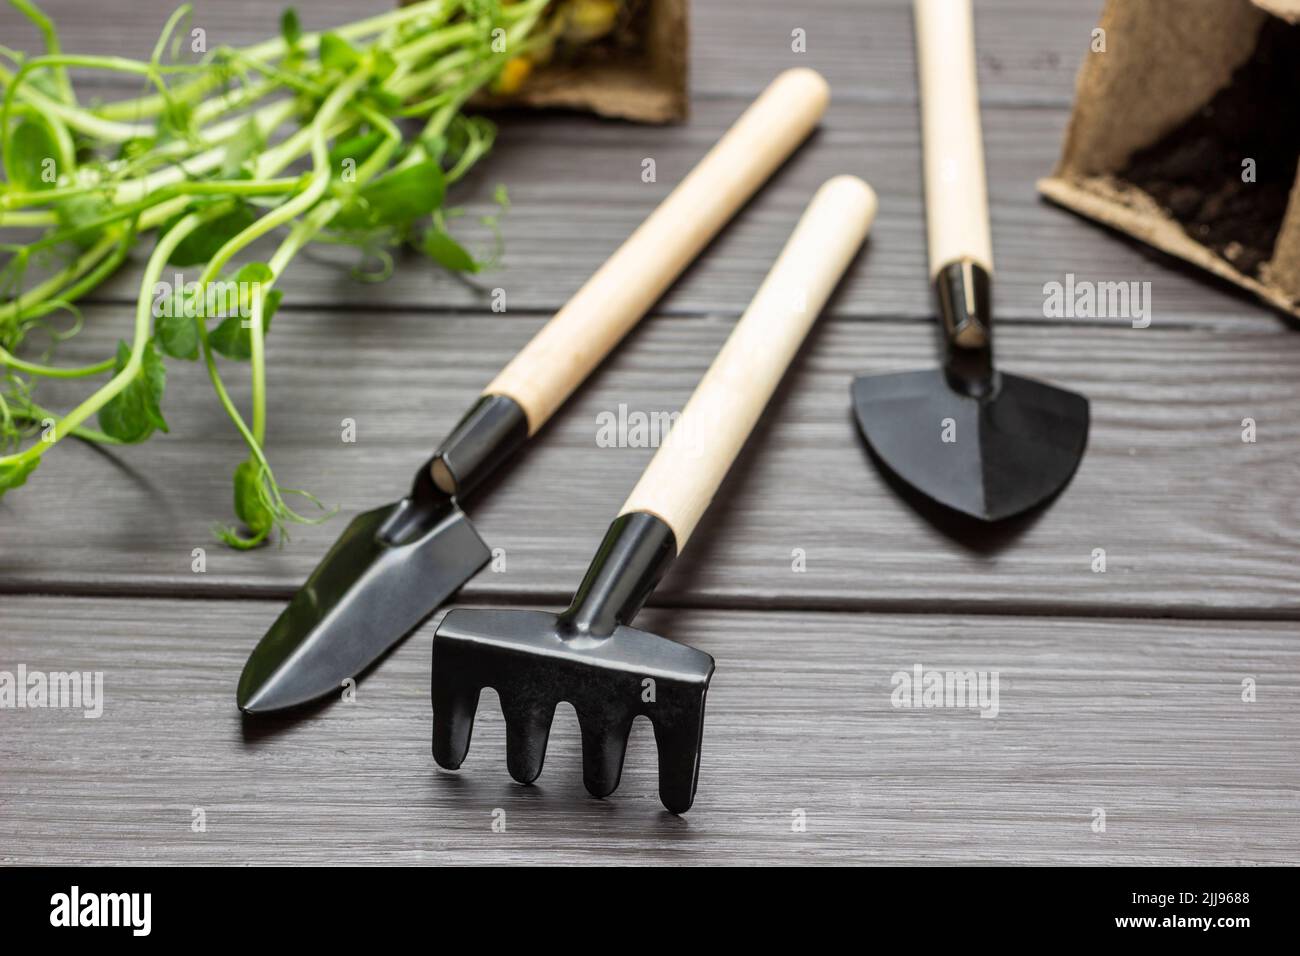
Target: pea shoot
x,y
351,136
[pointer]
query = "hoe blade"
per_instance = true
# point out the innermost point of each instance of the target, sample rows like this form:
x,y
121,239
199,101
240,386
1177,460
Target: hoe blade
x,y
533,662
990,457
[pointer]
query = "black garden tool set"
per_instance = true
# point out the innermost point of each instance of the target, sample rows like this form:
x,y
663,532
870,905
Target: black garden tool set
x,y
394,566
1018,443
588,654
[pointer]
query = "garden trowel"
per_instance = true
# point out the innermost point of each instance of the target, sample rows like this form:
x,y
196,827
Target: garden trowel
x,y
979,441
395,565
589,654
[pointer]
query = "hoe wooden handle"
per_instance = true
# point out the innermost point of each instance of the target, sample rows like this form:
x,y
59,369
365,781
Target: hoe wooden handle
x,y
604,310
956,198
686,472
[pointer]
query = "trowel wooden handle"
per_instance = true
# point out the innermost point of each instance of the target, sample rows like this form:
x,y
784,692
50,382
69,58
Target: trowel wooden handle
x,y
686,472
604,310
956,198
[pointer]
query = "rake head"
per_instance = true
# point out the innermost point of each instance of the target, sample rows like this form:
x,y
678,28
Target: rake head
x,y
534,660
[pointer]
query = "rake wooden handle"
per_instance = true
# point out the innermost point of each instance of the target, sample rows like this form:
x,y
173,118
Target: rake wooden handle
x,y
956,195
686,472
606,308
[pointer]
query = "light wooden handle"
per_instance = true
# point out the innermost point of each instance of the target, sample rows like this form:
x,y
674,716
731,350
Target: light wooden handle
x,y
686,472
604,310
956,195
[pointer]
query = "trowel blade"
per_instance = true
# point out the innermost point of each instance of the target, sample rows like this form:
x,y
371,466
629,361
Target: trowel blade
x,y
389,570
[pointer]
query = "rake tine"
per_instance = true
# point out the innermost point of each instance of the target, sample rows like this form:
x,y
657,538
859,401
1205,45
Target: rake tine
x,y
679,742
453,720
528,728
604,745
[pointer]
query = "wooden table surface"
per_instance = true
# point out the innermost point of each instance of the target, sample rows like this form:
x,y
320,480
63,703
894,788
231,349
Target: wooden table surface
x,y
1120,692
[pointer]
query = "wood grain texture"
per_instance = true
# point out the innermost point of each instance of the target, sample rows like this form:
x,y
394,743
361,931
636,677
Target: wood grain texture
x,y
576,187
1193,520
576,193
695,457
1099,709
956,187
672,236
1029,49
1142,719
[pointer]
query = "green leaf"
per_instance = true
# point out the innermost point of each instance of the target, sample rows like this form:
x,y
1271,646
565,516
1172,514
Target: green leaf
x,y
241,149
290,27
33,157
447,252
337,53
384,99
154,376
79,210
270,307
233,337
177,334
382,66
133,149
250,505
134,413
254,273
176,121
13,474
356,148
45,82
230,339
434,146
202,245
397,197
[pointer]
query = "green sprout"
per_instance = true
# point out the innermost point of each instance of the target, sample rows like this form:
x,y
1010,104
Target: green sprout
x,y
351,137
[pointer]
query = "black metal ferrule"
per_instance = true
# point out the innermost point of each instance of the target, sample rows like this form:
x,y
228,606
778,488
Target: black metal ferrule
x,y
964,291
488,434
636,551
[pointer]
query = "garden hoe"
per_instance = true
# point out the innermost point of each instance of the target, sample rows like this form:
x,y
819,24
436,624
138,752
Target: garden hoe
x,y
395,565
589,655
977,440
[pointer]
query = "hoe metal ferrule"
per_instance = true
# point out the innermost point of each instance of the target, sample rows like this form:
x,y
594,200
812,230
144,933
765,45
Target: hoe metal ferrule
x,y
963,290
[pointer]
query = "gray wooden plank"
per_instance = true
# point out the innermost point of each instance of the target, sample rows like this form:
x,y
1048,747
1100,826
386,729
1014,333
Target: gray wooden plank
x,y
576,190
1193,521
1029,50
1142,719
